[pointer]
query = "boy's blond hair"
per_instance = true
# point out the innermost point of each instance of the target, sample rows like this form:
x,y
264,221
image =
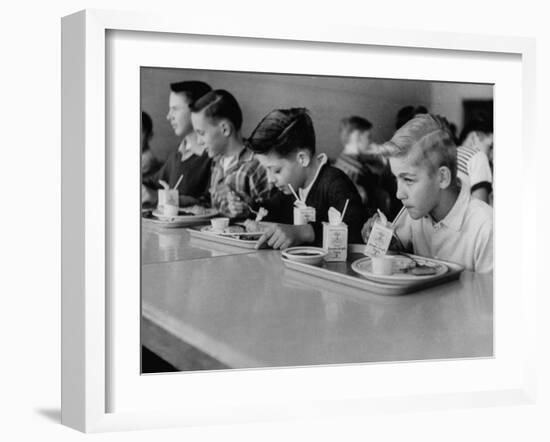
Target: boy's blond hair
x,y
432,136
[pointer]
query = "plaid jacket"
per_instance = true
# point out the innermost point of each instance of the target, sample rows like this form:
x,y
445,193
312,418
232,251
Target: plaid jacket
x,y
246,177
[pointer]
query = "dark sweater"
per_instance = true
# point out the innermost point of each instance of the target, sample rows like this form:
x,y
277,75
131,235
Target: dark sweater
x,y
331,189
195,170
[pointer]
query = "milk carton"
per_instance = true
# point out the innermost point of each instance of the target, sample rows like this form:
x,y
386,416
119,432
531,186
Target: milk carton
x,y
379,240
303,214
168,201
335,237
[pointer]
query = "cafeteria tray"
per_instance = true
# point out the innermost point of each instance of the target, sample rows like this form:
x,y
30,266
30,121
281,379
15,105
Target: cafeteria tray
x,y
178,221
220,239
342,273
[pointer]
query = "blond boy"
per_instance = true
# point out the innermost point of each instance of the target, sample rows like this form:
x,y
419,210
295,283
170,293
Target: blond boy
x,y
442,220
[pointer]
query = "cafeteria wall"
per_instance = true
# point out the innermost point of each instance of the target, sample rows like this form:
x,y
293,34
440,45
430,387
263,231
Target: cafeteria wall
x,y
447,98
329,99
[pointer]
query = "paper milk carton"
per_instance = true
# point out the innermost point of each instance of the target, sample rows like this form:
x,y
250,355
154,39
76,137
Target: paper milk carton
x,y
303,214
379,240
168,201
335,237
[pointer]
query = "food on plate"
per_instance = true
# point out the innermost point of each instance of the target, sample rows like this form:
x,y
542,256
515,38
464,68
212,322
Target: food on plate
x,y
423,270
403,264
249,237
233,229
196,210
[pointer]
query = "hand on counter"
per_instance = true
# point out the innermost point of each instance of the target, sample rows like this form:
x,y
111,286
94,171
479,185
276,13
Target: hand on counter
x,y
282,236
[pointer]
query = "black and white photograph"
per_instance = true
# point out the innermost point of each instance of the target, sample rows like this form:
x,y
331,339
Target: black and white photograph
x,y
316,240
305,220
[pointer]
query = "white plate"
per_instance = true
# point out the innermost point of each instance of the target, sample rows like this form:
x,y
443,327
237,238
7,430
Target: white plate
x,y
363,266
305,255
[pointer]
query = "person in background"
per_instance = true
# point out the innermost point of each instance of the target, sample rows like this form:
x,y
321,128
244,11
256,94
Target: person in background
x,y
356,141
149,163
367,168
408,113
441,220
189,159
474,167
344,131
284,143
237,177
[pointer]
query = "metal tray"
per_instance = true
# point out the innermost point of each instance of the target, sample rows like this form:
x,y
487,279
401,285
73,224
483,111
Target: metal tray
x,y
178,221
220,239
341,272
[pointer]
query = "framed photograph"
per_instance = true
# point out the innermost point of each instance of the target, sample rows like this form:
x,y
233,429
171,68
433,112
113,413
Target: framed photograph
x,y
163,327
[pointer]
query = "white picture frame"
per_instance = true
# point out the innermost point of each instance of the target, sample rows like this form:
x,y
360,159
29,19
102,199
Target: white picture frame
x,y
86,314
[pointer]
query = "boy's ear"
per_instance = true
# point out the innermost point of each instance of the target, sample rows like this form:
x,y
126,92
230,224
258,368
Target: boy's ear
x,y
303,157
225,128
445,177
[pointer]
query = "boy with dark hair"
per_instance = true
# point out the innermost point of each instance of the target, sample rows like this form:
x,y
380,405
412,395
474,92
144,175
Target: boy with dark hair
x,y
189,159
284,142
217,120
442,220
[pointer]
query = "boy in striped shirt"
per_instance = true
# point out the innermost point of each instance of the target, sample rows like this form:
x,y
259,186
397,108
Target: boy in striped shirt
x,y
474,169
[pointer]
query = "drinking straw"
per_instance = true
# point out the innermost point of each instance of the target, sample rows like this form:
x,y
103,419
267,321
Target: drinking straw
x,y
178,182
398,216
345,207
393,227
294,193
164,184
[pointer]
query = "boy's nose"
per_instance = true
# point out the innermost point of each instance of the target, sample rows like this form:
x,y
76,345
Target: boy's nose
x,y
400,194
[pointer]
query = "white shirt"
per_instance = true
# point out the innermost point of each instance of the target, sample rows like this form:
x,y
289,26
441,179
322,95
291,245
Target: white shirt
x,y
189,146
303,193
464,236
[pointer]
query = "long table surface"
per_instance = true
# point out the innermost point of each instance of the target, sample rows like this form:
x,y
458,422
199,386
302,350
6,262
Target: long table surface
x,y
241,308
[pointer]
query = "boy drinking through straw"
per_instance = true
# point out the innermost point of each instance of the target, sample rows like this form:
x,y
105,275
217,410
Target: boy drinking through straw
x,y
284,143
442,221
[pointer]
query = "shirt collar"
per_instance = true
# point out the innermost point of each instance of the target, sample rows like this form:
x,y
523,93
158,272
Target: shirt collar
x,y
246,154
189,146
455,218
243,156
303,193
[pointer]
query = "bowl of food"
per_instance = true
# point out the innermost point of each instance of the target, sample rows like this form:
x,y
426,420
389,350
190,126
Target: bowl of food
x,y
305,254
